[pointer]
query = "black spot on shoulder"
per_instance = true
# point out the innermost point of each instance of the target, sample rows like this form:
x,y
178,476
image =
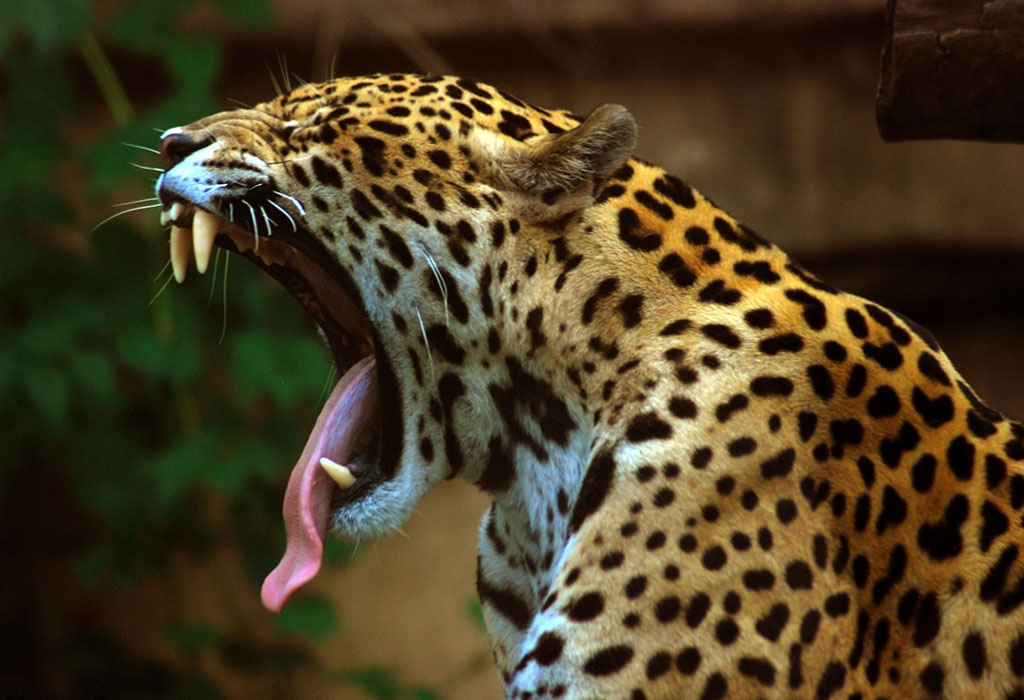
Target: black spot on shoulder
x,y
717,292
440,158
856,322
325,173
784,342
646,199
935,412
676,190
943,540
973,653
548,649
771,625
813,308
993,523
771,386
928,620
609,660
832,680
648,426
677,271
721,334
960,457
505,601
780,465
883,403
760,319
596,484
373,154
929,366
898,334
633,235
586,607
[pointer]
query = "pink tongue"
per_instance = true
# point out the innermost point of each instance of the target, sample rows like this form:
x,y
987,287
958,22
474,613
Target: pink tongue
x,y
307,499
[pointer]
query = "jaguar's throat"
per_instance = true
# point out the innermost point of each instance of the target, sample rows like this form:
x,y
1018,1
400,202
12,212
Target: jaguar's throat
x,y
340,460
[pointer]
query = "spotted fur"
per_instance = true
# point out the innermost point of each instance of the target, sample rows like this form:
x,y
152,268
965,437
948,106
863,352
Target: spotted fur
x,y
713,475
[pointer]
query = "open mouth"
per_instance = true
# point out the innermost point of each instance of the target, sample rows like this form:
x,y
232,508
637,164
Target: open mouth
x,y
342,457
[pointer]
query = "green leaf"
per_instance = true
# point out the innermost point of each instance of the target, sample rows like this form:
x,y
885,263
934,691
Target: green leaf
x,y
376,681
251,13
309,615
144,25
176,359
93,371
47,389
196,688
187,463
8,371
191,637
195,63
476,614
338,552
48,24
241,463
382,683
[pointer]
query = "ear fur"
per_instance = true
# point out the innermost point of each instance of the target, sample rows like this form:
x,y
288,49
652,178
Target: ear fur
x,y
566,162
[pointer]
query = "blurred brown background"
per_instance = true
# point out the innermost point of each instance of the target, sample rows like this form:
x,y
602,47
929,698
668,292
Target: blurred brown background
x,y
768,108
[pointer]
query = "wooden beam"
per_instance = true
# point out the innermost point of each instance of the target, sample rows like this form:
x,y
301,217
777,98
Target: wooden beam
x,y
953,69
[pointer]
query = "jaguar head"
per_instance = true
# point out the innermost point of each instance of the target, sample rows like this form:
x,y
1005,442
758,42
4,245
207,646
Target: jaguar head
x,y
384,206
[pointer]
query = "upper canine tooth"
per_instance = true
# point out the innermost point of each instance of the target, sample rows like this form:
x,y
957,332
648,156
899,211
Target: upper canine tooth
x,y
165,217
181,249
205,227
341,475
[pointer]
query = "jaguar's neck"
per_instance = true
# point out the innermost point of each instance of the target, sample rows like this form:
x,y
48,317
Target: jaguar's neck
x,y
556,382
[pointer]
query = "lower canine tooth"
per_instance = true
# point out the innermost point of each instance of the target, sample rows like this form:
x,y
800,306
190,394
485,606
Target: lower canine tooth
x,y
341,475
177,209
204,229
181,249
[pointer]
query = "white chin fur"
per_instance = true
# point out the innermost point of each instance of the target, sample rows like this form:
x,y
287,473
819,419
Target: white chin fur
x,y
381,511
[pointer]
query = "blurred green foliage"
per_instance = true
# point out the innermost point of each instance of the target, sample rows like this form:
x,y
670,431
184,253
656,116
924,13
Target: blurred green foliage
x,y
162,445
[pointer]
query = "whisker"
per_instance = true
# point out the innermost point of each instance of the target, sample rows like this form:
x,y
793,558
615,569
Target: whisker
x,y
141,148
267,220
273,81
255,226
127,211
146,167
244,105
162,270
136,201
426,342
440,283
224,297
332,374
162,288
297,203
295,229
213,276
282,65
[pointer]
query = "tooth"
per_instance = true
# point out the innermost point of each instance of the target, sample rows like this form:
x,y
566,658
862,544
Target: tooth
x,y
165,217
204,229
177,210
341,475
181,249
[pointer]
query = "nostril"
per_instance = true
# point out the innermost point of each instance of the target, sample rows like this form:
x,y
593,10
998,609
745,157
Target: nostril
x,y
178,146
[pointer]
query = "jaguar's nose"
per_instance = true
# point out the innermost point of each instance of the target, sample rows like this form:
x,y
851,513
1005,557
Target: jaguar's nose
x,y
176,146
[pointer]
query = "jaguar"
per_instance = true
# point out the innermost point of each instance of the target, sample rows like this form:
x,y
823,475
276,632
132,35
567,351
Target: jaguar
x,y
712,475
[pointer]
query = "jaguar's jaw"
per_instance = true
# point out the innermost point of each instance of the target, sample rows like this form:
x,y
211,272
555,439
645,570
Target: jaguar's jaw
x,y
345,458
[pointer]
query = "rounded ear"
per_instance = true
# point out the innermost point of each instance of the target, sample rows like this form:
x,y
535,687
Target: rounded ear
x,y
566,162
